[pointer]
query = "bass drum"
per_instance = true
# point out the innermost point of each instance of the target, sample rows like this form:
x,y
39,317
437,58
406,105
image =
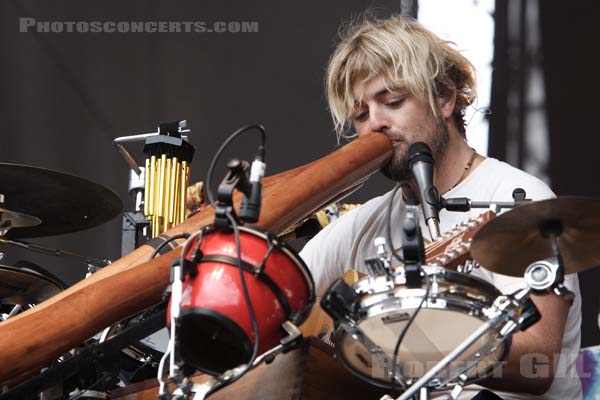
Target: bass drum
x,y
452,311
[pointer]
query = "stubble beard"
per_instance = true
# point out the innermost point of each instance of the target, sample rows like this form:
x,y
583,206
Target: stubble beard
x,y
437,137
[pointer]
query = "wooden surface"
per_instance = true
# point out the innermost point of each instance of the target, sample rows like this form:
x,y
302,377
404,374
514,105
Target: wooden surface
x,y
307,373
133,283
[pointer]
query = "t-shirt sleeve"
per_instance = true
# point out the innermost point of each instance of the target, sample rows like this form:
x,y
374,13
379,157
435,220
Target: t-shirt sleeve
x,y
327,254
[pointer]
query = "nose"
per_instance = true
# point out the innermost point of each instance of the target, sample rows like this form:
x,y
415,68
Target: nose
x,y
378,121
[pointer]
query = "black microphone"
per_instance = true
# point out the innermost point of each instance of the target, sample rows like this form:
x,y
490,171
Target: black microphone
x,y
250,209
420,163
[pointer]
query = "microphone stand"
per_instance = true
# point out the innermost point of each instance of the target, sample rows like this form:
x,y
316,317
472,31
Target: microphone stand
x,y
463,204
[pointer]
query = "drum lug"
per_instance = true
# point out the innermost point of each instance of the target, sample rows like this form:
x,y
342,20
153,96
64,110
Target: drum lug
x,y
338,301
294,336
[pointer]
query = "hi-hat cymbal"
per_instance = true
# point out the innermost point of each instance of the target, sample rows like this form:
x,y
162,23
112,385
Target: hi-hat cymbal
x,y
64,203
21,286
510,242
13,219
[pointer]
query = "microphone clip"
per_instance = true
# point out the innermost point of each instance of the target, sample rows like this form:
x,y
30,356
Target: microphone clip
x,y
236,178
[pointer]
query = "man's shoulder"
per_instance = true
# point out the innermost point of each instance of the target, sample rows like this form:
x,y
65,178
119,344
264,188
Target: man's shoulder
x,y
506,178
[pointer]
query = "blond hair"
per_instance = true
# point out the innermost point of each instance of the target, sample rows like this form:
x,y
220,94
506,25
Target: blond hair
x,y
406,55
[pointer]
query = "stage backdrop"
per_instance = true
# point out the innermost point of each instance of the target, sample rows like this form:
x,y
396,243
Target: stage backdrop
x,y
65,96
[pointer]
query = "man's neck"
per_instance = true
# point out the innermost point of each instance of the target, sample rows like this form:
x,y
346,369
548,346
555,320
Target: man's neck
x,y
450,169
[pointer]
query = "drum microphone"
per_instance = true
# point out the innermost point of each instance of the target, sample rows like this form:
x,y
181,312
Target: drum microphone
x,y
250,209
420,163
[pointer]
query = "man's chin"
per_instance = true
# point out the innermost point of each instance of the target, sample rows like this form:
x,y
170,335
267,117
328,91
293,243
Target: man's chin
x,y
396,171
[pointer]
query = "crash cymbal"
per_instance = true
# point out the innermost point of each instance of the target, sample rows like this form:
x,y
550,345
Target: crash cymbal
x,y
26,286
510,242
13,219
64,203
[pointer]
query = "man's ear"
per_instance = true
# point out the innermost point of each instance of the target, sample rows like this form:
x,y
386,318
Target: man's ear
x,y
446,103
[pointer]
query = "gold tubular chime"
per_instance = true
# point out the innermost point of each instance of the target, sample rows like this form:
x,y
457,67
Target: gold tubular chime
x,y
167,177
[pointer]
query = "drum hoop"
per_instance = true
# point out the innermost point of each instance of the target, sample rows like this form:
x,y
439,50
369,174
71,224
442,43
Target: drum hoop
x,y
464,306
365,285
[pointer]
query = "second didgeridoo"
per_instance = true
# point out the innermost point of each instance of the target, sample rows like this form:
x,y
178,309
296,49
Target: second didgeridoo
x,y
133,283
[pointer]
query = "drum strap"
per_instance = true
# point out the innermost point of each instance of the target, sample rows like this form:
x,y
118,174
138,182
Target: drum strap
x,y
160,241
259,274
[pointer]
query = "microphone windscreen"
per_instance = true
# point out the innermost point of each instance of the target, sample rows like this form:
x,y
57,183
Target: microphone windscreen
x,y
419,152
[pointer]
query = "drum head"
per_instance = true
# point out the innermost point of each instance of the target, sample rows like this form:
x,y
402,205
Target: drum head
x,y
211,342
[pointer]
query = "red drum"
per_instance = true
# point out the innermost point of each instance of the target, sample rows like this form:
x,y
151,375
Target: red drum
x,y
215,330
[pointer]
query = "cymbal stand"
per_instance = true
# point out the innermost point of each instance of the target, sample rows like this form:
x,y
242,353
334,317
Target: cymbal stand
x,y
93,264
548,275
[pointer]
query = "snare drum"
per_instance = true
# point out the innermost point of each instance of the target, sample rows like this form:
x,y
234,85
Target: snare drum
x,y
453,310
215,330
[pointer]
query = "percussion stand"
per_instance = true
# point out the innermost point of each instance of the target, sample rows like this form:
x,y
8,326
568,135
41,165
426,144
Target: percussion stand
x,y
511,312
135,224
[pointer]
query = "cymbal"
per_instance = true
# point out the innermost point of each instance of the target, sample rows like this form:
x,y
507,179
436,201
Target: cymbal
x,y
64,203
13,219
510,242
23,286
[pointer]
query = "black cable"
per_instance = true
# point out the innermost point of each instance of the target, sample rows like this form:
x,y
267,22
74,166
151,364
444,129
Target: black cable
x,y
207,187
400,259
253,319
169,240
403,333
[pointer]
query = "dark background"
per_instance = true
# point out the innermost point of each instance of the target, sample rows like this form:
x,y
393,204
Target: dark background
x,y
65,96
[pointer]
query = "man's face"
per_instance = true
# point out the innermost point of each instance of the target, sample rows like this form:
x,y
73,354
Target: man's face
x,y
402,117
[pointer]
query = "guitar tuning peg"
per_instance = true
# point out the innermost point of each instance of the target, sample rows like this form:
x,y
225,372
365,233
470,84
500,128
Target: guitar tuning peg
x,y
452,254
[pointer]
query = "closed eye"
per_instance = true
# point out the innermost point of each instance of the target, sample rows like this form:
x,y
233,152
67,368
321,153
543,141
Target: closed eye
x,y
395,103
360,117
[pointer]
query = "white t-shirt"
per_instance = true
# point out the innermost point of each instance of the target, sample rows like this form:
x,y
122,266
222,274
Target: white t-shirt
x,y
348,241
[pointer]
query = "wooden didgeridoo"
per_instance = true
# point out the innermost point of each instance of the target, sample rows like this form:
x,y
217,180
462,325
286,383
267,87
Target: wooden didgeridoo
x,y
133,283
